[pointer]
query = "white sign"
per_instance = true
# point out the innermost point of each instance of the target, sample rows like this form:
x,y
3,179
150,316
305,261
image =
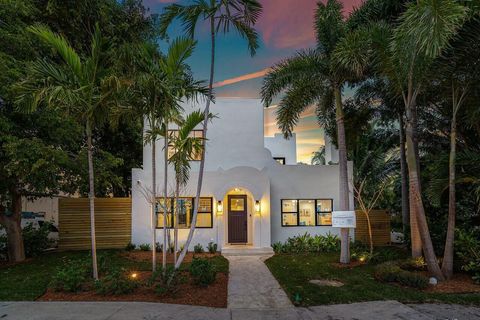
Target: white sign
x,y
344,219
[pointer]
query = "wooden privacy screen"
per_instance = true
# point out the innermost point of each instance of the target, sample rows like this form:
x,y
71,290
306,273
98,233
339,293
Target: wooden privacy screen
x,y
113,222
380,222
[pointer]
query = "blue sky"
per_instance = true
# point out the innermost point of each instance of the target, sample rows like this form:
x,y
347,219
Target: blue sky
x,y
284,27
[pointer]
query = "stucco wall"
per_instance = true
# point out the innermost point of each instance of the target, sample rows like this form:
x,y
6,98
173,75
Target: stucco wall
x,y
281,147
303,182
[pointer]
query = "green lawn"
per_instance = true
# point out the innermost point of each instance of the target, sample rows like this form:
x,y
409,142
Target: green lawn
x,y
294,271
29,280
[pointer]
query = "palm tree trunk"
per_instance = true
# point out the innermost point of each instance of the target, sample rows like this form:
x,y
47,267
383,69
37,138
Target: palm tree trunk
x,y
344,204
154,205
91,198
416,240
165,199
175,223
447,264
202,161
416,197
404,177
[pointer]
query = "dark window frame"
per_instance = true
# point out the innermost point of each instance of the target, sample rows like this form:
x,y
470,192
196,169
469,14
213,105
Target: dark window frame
x,y
298,213
193,205
170,131
280,158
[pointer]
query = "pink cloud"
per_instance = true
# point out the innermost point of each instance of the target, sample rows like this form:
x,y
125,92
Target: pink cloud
x,y
241,78
289,23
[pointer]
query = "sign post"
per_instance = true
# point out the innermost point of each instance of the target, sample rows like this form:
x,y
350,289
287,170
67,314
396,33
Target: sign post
x,y
344,219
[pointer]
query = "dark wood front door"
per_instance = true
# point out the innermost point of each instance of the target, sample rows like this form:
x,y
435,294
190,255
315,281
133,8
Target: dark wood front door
x,y
237,219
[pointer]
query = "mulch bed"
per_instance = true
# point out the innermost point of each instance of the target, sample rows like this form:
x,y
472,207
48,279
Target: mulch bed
x,y
146,256
460,283
215,295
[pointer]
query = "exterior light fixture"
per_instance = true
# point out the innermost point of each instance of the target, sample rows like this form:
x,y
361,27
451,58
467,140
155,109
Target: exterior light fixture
x,y
219,207
257,206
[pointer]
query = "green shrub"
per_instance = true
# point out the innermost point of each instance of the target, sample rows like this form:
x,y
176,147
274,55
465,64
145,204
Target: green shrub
x,y
306,243
203,272
467,249
130,247
391,272
212,247
70,276
158,247
35,240
198,248
166,283
144,247
116,282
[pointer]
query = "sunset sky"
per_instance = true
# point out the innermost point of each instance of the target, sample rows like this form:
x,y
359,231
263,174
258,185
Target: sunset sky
x,y
284,27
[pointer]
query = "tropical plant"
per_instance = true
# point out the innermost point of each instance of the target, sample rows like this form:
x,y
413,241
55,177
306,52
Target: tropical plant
x,y
161,84
221,16
81,86
404,55
318,157
312,77
185,147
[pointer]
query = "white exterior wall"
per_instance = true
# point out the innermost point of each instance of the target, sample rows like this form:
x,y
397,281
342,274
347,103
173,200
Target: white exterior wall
x,y
236,157
303,182
282,148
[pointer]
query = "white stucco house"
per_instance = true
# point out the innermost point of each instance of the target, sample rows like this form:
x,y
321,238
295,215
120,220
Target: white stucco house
x,y
254,193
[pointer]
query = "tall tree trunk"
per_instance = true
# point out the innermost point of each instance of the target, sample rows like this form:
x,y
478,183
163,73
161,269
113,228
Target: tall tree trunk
x,y
13,226
202,161
91,199
416,197
165,199
344,204
154,205
175,222
447,264
416,239
404,177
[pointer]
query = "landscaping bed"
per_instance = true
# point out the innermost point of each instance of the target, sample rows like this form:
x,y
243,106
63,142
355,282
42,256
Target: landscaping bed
x,y
215,295
295,271
35,279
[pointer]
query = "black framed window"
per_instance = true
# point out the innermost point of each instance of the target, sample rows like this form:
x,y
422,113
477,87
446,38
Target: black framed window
x,y
280,160
172,134
306,212
185,212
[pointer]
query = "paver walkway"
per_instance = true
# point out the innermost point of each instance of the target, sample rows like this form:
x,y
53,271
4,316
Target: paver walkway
x,y
252,286
374,310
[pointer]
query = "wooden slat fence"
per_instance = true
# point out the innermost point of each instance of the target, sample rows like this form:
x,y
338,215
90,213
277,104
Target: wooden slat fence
x,y
380,222
113,222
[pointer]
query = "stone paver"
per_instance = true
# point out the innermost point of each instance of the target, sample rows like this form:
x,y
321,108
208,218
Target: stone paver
x,y
448,311
252,286
374,310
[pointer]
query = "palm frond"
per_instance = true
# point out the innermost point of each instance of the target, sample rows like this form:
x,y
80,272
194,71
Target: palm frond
x,y
61,45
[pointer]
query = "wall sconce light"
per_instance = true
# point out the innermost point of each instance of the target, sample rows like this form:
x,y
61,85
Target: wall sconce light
x,y
219,207
257,206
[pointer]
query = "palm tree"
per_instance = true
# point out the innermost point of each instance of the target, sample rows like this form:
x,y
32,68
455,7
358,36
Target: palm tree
x,y
221,16
312,77
404,55
457,77
84,87
162,83
319,156
185,148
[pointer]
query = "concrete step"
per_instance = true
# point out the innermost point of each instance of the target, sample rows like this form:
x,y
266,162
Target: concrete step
x,y
246,251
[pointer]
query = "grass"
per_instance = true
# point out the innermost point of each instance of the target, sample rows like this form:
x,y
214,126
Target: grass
x,y
29,280
294,271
